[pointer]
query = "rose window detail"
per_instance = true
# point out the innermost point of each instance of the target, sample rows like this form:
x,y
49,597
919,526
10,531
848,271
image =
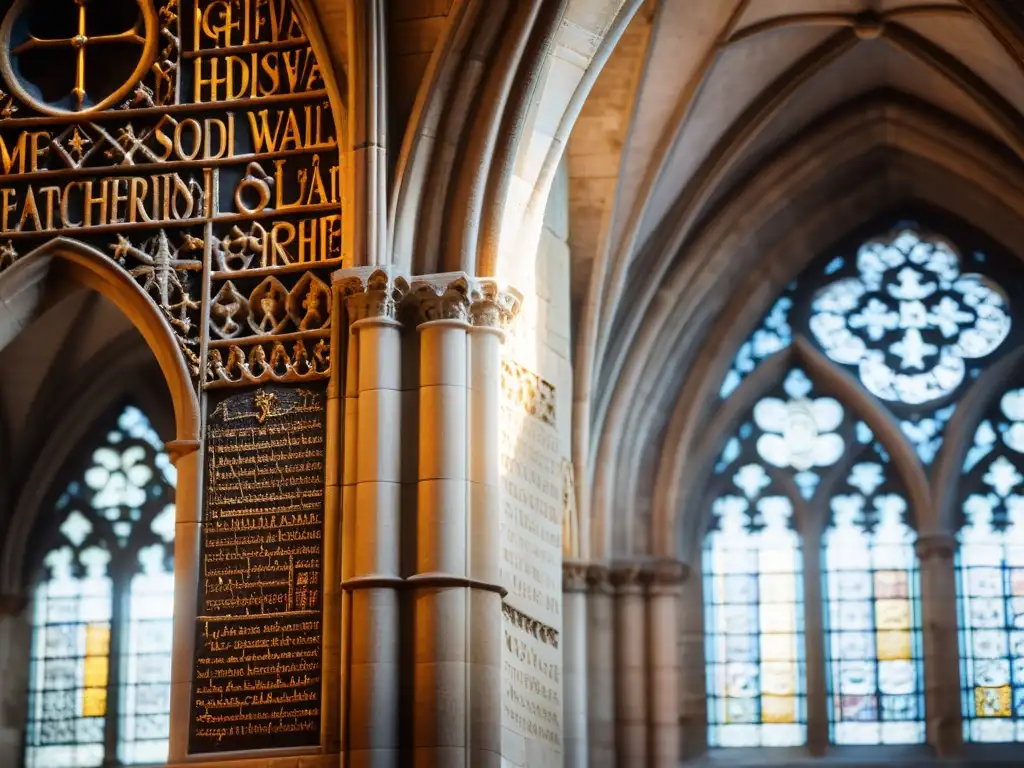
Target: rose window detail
x,y
910,320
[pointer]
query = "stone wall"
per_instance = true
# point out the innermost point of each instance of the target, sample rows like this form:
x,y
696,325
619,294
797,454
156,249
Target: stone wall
x,y
535,449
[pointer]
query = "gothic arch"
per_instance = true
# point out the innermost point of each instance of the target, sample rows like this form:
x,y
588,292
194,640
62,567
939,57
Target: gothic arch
x,y
969,414
506,123
852,167
832,381
93,269
104,387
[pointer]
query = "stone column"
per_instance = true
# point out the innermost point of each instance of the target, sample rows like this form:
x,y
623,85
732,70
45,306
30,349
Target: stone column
x,y
935,553
630,665
441,597
692,670
489,312
187,460
664,592
601,630
372,574
574,663
15,650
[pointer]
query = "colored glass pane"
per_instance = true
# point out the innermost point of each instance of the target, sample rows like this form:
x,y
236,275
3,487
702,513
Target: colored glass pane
x,y
991,576
872,618
117,520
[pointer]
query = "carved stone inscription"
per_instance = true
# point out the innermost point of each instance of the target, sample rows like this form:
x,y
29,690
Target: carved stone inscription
x,y
257,681
531,469
532,677
531,558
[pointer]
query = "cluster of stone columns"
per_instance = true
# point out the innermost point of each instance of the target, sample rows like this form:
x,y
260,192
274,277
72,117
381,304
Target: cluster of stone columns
x,y
621,664
421,613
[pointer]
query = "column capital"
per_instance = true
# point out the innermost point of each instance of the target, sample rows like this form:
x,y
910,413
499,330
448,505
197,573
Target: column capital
x,y
941,545
666,576
371,295
628,578
598,579
445,296
575,576
12,605
493,306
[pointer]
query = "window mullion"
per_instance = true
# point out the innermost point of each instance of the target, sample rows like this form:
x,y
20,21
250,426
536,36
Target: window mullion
x,y
121,574
814,635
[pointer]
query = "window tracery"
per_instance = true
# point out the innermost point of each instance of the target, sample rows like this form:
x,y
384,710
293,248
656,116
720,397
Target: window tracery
x,y
101,645
916,321
909,320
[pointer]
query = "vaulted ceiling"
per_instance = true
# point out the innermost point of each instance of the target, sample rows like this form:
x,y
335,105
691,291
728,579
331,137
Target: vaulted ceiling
x,y
724,135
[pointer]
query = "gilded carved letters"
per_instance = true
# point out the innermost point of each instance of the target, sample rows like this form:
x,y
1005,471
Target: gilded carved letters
x,y
258,636
192,142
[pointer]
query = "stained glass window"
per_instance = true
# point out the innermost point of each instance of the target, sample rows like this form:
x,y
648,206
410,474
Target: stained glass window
x,y
914,320
754,568
101,648
873,623
909,319
991,577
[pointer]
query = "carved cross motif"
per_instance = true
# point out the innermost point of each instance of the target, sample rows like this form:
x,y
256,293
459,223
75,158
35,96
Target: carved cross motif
x,y
140,34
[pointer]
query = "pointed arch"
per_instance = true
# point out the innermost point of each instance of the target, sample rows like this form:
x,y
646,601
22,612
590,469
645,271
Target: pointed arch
x,y
831,380
961,428
93,269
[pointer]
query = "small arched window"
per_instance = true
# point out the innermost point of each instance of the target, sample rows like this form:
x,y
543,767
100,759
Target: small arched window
x,y
889,331
99,678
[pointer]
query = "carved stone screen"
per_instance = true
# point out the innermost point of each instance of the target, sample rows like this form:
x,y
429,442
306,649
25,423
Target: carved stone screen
x,y
258,634
531,566
192,143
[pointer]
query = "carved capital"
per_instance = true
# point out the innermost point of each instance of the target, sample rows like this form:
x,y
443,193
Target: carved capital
x,y
441,297
940,545
12,605
666,576
375,296
491,306
628,578
598,579
575,576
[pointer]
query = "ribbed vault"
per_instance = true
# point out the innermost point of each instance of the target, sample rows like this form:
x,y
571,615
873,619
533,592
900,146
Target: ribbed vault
x,y
743,139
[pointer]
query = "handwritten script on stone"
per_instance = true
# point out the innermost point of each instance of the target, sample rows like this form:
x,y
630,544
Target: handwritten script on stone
x,y
257,682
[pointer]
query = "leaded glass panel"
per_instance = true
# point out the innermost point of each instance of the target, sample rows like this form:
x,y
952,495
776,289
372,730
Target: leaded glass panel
x,y
873,623
753,567
914,318
101,644
991,576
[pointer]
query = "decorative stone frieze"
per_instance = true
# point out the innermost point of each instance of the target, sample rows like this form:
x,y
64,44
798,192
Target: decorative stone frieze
x,y
628,578
598,579
440,297
666,576
544,633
